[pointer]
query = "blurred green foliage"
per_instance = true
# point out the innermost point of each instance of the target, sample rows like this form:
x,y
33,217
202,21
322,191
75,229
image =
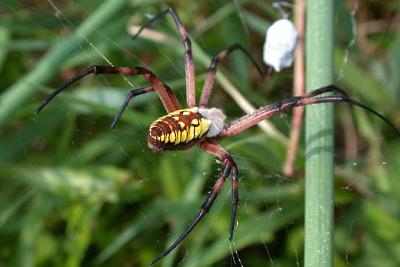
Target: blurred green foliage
x,y
75,193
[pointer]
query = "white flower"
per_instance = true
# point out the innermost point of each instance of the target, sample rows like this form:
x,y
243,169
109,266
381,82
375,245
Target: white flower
x,y
280,43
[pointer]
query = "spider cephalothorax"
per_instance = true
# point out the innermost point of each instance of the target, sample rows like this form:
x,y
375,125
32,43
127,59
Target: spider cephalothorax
x,y
202,126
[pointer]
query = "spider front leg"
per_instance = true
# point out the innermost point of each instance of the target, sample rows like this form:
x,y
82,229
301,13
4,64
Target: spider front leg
x,y
229,166
166,95
141,91
210,79
189,66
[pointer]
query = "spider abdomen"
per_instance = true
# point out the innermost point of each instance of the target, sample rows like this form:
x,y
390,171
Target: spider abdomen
x,y
178,130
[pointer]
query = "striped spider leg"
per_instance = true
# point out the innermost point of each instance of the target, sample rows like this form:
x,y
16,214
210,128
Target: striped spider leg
x,y
241,124
164,92
189,66
229,168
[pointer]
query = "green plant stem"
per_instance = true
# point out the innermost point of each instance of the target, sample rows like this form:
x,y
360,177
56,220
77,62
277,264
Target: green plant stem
x,y
49,65
319,137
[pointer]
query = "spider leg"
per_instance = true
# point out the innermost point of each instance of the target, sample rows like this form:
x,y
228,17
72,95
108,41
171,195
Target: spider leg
x,y
141,91
249,120
217,150
209,82
156,84
229,165
235,200
189,66
326,89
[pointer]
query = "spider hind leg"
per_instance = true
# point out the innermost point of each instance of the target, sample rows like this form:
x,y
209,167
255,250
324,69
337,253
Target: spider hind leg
x,y
229,167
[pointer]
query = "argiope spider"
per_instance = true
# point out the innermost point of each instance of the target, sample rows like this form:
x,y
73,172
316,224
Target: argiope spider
x,y
200,125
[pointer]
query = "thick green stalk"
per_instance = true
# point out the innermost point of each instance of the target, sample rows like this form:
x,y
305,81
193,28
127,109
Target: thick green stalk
x,y
319,137
48,66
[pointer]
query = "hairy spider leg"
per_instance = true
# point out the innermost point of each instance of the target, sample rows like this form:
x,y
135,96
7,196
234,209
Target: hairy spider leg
x,y
141,91
296,124
229,166
325,89
249,120
217,150
147,74
189,66
210,79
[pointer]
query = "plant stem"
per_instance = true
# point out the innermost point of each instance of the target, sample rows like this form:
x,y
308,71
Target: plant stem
x,y
319,137
299,84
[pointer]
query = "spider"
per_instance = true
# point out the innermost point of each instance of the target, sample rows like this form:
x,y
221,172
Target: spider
x,y
197,124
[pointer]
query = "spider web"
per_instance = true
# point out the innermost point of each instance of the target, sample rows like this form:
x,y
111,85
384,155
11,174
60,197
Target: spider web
x,y
128,194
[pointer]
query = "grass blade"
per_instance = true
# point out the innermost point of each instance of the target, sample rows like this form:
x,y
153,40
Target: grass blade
x,y
16,95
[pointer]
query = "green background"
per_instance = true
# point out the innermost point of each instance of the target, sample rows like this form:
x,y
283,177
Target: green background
x,y
73,192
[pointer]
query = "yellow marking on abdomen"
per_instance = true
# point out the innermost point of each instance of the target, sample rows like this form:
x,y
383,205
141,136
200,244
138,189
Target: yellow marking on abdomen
x,y
172,137
204,125
182,124
183,135
191,134
178,137
197,131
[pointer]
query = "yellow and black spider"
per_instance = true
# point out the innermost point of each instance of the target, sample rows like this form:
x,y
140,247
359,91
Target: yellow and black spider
x,y
197,124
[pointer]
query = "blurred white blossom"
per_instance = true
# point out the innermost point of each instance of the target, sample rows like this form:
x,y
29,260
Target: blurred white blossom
x,y
280,43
